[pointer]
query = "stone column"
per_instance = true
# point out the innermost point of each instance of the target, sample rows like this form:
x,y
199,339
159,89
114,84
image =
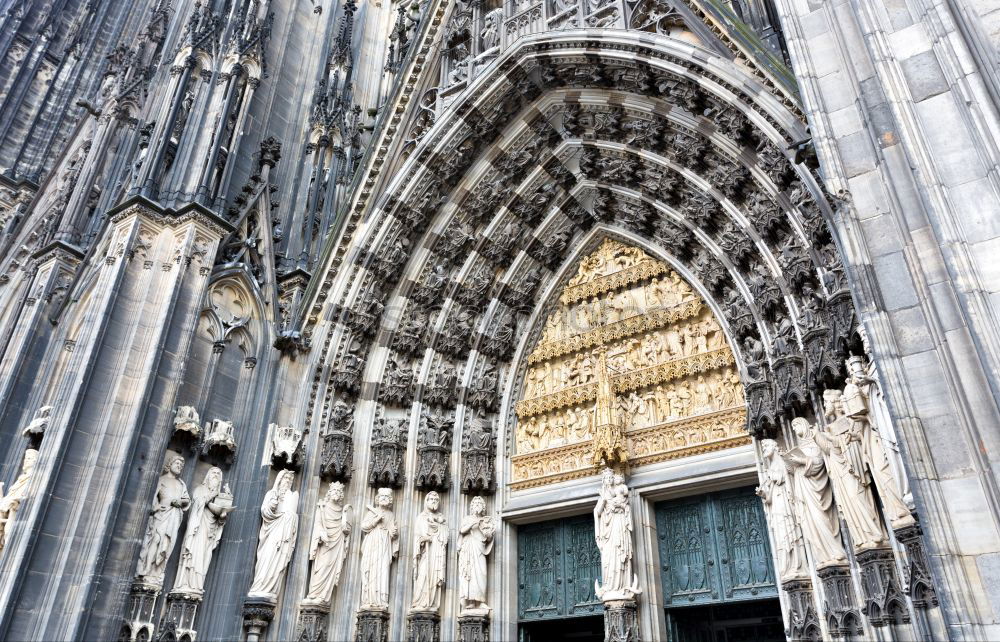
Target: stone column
x,y
884,601
840,606
423,626
474,628
803,624
182,609
140,613
373,626
257,615
621,622
311,626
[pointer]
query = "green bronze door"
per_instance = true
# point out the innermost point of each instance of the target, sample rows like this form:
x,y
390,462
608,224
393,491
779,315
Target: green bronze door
x,y
557,564
714,548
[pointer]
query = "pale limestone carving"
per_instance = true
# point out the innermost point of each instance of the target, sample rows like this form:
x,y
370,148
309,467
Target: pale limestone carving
x,y
379,548
328,547
220,433
430,545
813,494
613,528
39,422
15,496
475,541
211,504
876,458
285,443
186,419
776,492
169,504
276,540
609,438
841,444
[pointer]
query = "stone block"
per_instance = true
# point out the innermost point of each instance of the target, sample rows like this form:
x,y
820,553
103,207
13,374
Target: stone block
x,y
951,452
989,571
856,153
894,280
924,75
882,235
910,41
911,330
925,377
946,306
949,143
836,90
975,204
967,506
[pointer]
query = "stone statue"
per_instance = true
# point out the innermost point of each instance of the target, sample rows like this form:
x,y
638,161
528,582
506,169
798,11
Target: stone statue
x,y
858,410
613,528
814,497
776,493
841,444
379,547
328,548
475,542
276,542
210,506
18,491
430,546
169,504
609,438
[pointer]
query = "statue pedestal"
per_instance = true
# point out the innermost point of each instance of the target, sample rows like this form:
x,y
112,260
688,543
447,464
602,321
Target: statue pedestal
x,y
373,626
884,601
804,625
257,615
423,626
182,608
842,614
140,612
313,617
621,623
473,628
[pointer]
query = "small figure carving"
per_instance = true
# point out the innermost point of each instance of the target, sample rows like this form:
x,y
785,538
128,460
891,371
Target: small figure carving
x,y
379,548
186,419
169,504
16,494
328,547
211,504
475,542
276,540
430,547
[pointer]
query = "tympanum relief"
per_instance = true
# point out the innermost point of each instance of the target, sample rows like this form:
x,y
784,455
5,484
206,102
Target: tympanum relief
x,y
630,345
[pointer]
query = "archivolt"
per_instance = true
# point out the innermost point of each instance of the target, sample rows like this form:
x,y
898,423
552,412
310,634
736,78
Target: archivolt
x,y
645,134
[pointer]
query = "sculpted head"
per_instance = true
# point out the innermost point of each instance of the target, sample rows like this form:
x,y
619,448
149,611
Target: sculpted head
x,y
608,477
432,502
174,466
477,506
801,427
30,457
768,447
335,492
213,478
384,498
831,402
619,479
284,481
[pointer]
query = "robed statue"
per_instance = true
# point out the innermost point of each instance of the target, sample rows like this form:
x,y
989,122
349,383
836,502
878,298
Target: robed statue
x,y
328,547
613,528
210,506
475,542
276,541
169,504
430,547
379,548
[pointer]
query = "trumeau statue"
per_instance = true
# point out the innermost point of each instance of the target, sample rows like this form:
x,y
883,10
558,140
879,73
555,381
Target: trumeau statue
x,y
430,544
276,541
841,444
776,492
169,504
16,494
814,497
378,549
211,504
328,548
613,528
858,409
475,542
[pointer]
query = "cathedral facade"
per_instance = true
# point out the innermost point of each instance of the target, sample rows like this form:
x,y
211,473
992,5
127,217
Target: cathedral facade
x,y
475,320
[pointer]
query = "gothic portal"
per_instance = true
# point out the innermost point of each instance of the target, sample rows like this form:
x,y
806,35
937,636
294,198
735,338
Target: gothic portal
x,y
473,320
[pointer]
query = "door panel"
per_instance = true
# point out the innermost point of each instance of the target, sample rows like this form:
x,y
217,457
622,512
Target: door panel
x,y
687,553
539,571
744,551
583,567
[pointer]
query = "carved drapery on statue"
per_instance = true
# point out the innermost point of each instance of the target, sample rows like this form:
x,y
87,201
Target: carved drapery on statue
x,y
211,504
631,365
169,504
276,541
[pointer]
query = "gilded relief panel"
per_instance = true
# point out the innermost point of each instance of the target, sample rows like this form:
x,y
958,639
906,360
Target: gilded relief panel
x,y
631,321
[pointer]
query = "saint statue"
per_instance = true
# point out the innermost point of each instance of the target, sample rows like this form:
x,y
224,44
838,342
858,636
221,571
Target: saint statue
x,y
475,542
858,409
841,443
613,528
430,545
169,504
276,541
379,547
210,506
609,438
814,497
776,493
328,548
11,502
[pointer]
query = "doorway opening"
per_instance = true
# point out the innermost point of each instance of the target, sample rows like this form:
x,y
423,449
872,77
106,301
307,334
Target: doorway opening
x,y
753,621
573,629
